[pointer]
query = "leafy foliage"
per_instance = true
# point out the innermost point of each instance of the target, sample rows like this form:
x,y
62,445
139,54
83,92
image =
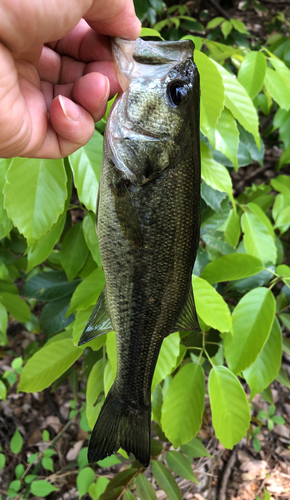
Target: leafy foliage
x,y
241,280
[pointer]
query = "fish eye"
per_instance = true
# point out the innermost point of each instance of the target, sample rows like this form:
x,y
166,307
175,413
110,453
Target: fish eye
x,y
177,92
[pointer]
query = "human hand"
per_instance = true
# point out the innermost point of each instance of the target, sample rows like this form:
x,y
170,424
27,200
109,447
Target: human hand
x,y
57,72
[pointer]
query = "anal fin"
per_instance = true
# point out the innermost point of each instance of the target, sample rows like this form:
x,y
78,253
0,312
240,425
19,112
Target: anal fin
x,y
99,321
188,319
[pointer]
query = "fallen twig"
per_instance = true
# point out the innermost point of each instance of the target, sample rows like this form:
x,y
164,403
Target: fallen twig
x,y
226,475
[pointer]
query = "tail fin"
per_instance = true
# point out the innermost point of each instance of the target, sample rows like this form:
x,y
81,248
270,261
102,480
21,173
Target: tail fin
x,y
121,425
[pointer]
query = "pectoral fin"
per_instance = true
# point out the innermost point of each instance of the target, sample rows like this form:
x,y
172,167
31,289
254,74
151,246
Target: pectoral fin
x,y
188,319
126,213
99,321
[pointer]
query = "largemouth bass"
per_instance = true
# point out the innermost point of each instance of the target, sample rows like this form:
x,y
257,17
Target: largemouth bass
x,y
148,220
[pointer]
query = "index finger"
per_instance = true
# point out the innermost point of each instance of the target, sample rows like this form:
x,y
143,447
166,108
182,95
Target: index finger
x,y
114,18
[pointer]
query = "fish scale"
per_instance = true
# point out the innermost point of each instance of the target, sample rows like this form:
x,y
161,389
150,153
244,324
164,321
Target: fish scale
x,y
148,221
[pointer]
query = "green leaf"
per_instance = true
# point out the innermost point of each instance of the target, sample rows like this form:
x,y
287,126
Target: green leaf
x,y
283,219
15,306
286,345
231,228
194,449
3,392
39,251
281,68
229,406
89,229
212,92
282,184
111,348
165,480
123,478
282,201
167,358
239,103
95,386
252,322
210,306
13,488
150,32
248,149
47,463
252,72
109,377
42,488
35,194
114,494
52,319
16,442
88,291
4,272
179,464
277,88
6,223
183,403
74,251
239,26
267,365
226,28
227,136
49,285
284,158
257,240
255,209
216,246
214,23
285,318
229,267
47,364
85,478
144,488
96,489
212,197
109,461
128,495
214,174
283,378
219,51
3,325
86,165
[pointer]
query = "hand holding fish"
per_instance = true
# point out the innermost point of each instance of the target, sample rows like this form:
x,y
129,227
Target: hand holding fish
x,y
57,72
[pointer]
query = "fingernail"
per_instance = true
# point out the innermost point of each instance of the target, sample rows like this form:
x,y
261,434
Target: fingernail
x,y
105,99
70,109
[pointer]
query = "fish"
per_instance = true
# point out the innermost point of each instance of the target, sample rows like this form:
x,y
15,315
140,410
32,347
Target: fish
x,y
148,225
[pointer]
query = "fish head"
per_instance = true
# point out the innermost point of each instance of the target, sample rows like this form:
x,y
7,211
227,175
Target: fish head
x,y
158,107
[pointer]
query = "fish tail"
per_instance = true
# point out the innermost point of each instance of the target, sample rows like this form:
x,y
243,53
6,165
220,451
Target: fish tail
x,y
121,425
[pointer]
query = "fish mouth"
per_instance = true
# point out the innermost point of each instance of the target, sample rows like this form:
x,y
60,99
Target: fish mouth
x,y
128,54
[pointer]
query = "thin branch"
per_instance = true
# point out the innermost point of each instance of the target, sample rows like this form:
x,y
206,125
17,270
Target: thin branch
x,y
226,475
